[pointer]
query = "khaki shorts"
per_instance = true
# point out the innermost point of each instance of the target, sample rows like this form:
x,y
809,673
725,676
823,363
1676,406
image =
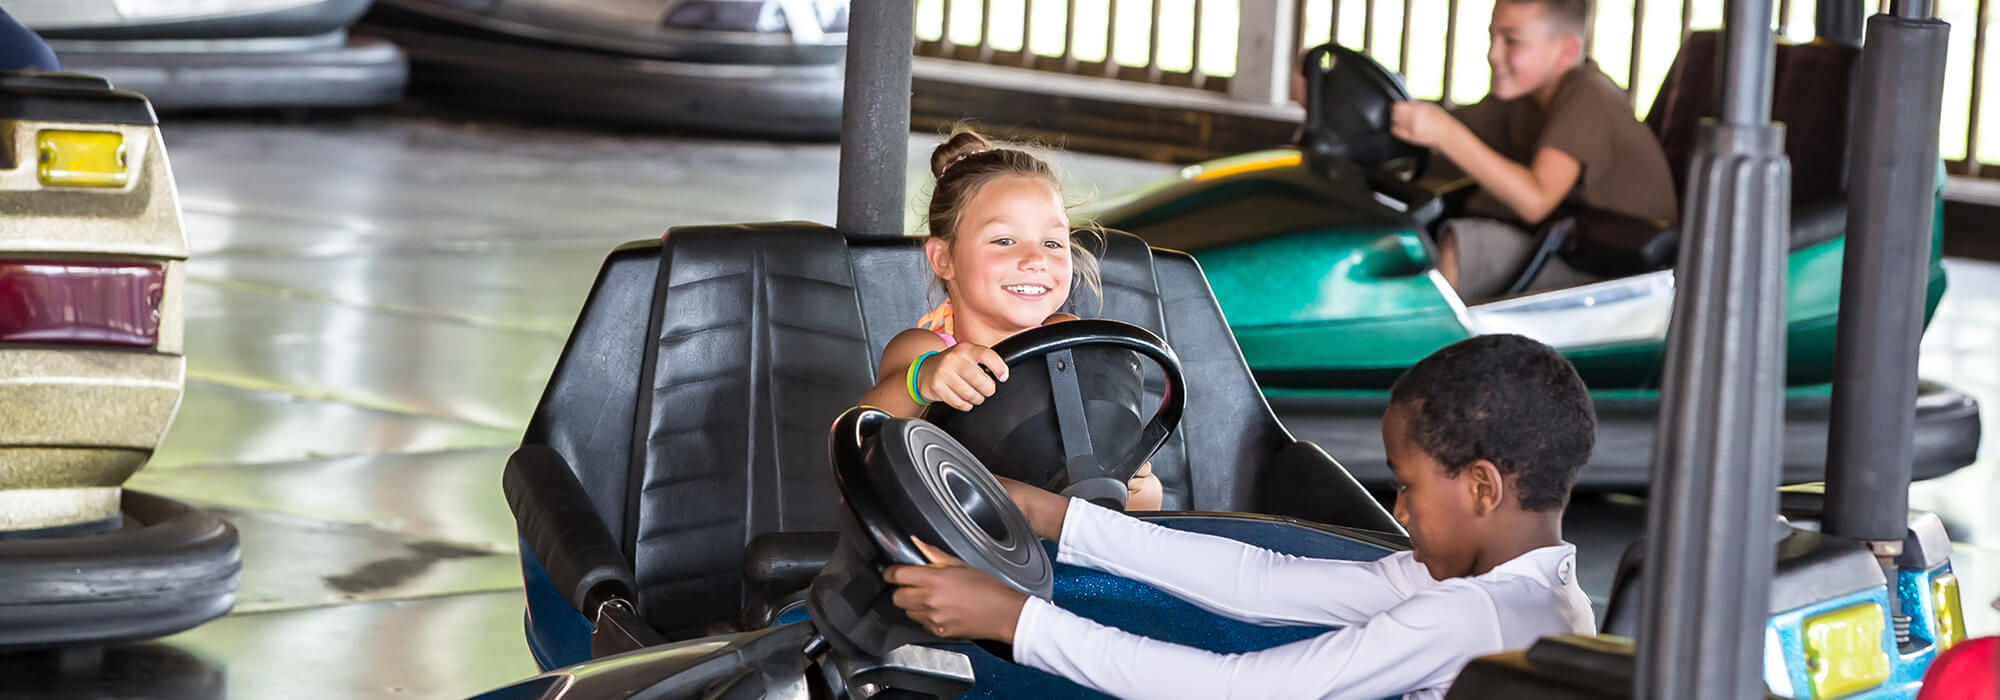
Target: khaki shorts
x,y
1491,254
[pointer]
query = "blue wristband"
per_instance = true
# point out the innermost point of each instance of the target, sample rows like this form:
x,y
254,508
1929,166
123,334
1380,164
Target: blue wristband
x,y
911,380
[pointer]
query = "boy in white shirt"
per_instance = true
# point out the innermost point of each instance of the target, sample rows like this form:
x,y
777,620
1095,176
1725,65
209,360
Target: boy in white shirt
x,y
1485,438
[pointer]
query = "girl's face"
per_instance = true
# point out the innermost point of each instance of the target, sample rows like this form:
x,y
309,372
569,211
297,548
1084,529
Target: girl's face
x,y
1009,267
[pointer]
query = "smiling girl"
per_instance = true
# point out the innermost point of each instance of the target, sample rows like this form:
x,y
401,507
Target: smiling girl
x,y
1002,248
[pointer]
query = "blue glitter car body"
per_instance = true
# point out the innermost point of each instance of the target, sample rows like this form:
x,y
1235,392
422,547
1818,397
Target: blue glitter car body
x,y
559,636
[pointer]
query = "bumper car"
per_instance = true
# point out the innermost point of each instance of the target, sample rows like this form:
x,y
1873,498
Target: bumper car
x,y
230,54
1310,248
91,272
708,477
758,67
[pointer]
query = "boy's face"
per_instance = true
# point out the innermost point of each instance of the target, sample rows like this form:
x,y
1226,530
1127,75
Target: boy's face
x,y
1439,511
1529,53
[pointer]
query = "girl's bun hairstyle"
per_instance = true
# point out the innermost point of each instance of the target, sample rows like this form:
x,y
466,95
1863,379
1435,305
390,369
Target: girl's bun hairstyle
x,y
964,143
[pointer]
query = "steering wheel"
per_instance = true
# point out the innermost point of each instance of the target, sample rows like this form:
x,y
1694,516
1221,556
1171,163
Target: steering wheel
x,y
1348,100
903,478
1068,417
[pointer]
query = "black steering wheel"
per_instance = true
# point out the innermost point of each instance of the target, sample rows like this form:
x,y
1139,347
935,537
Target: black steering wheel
x,y
1068,417
1348,99
903,478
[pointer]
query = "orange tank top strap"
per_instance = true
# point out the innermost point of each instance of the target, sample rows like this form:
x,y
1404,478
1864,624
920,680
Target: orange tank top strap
x,y
939,321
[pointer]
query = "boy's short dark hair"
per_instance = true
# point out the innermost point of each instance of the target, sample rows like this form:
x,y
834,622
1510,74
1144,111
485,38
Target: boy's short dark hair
x,y
1507,399
1567,15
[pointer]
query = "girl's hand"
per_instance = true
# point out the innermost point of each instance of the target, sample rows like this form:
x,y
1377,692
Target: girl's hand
x,y
1045,511
953,600
956,378
1143,491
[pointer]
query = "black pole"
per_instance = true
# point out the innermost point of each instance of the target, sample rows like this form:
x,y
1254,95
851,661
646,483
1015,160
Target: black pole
x,y
1910,9
875,117
1713,514
1884,278
1840,21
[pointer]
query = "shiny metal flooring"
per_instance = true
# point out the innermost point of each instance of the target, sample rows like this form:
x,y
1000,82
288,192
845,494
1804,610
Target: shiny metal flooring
x,y
373,308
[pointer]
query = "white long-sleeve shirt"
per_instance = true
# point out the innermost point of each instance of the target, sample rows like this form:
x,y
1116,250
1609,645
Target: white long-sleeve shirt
x,y
1403,633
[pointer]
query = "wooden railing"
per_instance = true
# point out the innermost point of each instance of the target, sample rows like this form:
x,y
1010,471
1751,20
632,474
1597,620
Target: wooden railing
x,y
1233,47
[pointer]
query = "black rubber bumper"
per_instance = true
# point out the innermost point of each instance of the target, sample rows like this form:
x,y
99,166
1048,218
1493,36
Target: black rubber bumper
x,y
574,27
1350,428
358,71
302,20
765,100
170,568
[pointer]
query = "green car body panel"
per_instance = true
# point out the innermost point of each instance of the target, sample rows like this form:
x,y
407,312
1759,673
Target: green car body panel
x,y
1350,299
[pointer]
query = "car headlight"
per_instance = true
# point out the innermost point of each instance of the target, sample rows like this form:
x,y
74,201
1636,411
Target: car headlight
x,y
80,158
1950,616
1844,650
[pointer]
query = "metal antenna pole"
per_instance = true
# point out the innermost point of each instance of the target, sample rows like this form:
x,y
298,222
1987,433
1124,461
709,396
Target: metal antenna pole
x,y
1711,523
875,117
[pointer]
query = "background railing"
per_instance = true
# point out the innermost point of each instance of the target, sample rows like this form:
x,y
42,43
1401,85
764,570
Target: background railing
x,y
1185,43
1233,47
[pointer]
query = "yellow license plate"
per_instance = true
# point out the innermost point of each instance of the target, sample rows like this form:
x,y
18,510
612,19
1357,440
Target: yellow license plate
x,y
81,158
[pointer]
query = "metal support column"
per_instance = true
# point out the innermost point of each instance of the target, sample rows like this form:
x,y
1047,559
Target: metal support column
x,y
1266,60
1891,207
1713,515
1840,20
875,117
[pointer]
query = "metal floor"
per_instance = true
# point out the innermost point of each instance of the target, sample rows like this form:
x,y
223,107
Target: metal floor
x,y
373,308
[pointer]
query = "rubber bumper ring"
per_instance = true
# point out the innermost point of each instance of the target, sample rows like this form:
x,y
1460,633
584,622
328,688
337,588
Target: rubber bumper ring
x,y
170,568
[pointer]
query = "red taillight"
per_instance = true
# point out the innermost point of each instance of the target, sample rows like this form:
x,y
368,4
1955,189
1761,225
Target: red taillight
x,y
80,303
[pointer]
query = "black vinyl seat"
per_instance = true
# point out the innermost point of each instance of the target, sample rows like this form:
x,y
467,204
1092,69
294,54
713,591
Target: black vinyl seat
x,y
693,400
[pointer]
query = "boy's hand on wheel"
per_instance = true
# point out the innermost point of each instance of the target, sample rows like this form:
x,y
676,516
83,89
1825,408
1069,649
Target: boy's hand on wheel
x,y
953,600
958,376
1143,491
1421,123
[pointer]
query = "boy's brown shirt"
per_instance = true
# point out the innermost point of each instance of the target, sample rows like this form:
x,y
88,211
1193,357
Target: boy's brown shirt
x,y
1623,168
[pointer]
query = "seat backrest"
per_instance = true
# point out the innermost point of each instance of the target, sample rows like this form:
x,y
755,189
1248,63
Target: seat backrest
x,y
1811,94
694,397
757,347
1228,434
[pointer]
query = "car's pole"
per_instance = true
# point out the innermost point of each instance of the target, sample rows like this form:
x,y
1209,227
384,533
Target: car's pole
x,y
1891,213
1839,21
1711,524
875,117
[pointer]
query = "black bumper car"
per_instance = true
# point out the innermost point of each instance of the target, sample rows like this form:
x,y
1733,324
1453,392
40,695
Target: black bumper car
x,y
708,476
757,67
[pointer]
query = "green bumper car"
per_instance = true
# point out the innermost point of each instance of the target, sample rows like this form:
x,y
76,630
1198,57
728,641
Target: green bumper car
x,y
1322,260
